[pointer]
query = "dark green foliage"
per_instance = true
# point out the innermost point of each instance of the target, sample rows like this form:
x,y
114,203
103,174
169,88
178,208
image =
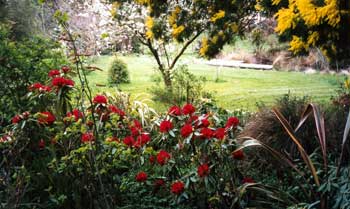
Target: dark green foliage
x,y
118,73
21,64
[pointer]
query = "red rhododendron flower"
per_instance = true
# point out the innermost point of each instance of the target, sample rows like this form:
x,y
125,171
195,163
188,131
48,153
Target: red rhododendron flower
x,y
65,69
220,133
25,115
142,140
238,155
41,144
141,177
174,110
163,157
207,133
186,130
76,113
100,99
165,126
151,159
61,81
205,122
39,87
135,128
177,187
203,170
188,109
87,137
248,180
116,110
46,118
16,119
54,73
159,183
193,120
129,141
137,124
232,121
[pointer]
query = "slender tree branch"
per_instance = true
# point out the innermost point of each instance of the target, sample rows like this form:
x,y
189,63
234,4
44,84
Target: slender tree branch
x,y
184,49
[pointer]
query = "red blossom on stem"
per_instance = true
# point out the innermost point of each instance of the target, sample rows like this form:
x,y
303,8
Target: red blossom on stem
x,y
54,73
186,130
129,141
87,137
232,122
247,180
65,69
141,177
188,109
203,170
207,133
100,99
165,126
238,155
177,187
163,157
116,110
46,118
16,119
220,133
174,110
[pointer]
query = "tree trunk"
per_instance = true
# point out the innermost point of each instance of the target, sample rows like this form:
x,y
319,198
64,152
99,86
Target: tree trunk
x,y
167,80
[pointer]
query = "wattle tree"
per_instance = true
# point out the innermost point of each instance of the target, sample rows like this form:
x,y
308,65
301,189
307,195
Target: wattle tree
x,y
161,25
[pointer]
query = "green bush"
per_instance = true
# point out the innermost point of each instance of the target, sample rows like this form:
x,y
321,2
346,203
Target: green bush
x,y
21,63
118,72
186,87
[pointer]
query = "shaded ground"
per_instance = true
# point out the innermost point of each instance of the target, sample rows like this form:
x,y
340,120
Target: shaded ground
x,y
233,88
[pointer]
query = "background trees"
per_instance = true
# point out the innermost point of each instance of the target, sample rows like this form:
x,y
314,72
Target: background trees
x,y
158,23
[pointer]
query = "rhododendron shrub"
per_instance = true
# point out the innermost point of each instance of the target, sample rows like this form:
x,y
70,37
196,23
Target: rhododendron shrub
x,y
98,153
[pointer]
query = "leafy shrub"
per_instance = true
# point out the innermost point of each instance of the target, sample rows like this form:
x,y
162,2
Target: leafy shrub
x,y
118,72
105,156
186,87
22,63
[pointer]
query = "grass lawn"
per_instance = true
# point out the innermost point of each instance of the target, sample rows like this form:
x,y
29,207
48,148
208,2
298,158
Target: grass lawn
x,y
237,88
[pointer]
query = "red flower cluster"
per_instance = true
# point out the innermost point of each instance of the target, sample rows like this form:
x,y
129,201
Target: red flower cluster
x,y
142,140
16,119
174,110
232,122
87,137
76,113
129,141
40,87
65,69
177,187
203,170
141,177
205,122
186,130
41,144
219,133
188,109
100,99
61,82
116,110
46,118
165,126
238,155
207,133
54,73
248,180
163,157
135,128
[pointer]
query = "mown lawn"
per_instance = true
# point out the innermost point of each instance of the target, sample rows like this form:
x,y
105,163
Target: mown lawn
x,y
237,88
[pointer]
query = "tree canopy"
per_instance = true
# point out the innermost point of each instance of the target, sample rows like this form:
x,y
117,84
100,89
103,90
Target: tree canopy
x,y
157,23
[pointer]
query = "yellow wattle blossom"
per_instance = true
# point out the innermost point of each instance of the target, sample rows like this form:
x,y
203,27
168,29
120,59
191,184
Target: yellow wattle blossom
x,y
114,9
203,50
313,38
143,1
285,19
173,17
149,25
258,6
215,39
177,30
297,45
219,15
234,27
276,2
347,83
